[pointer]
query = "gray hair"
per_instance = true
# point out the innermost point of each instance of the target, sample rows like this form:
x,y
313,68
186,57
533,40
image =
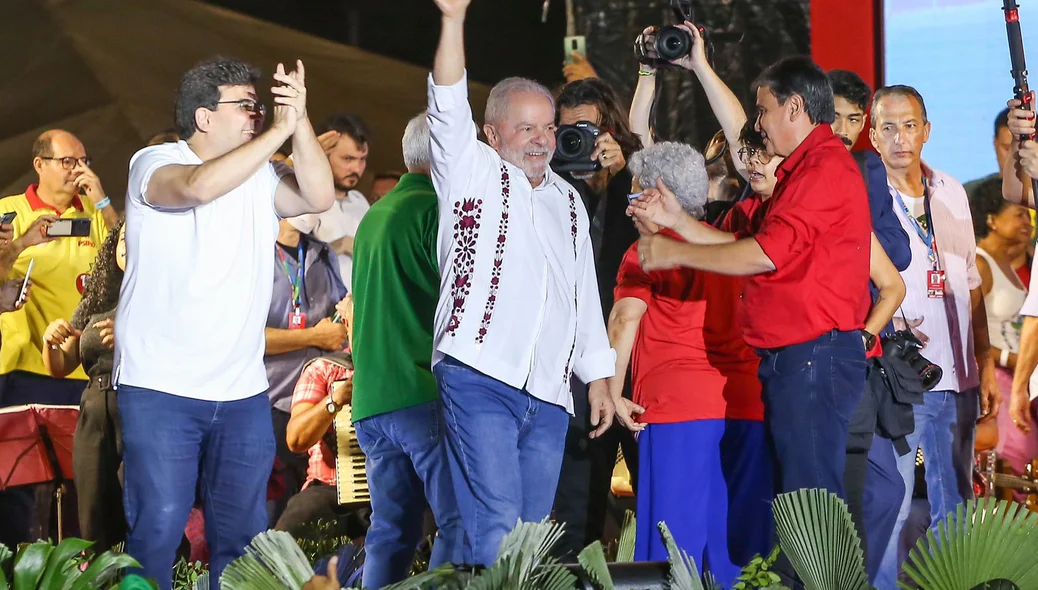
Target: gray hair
x,y
417,142
497,102
682,169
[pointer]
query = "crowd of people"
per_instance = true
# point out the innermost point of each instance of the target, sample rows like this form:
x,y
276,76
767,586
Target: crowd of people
x,y
496,329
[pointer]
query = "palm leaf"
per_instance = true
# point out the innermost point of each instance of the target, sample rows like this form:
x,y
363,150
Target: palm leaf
x,y
593,560
444,577
524,561
817,535
272,561
54,574
202,583
684,575
28,566
625,547
981,541
103,569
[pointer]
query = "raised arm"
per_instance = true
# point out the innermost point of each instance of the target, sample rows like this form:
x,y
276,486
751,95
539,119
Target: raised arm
x,y
312,188
641,105
723,102
449,64
1021,163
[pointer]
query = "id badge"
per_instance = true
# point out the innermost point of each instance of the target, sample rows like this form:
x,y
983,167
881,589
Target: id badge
x,y
296,320
935,284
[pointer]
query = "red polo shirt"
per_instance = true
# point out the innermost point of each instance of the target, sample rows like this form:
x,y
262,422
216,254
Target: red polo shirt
x,y
689,360
815,228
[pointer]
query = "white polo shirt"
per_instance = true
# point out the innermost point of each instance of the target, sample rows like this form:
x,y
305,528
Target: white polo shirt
x,y
197,288
340,221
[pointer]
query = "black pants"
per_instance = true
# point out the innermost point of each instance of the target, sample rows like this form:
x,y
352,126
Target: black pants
x,y
292,465
319,502
582,498
97,457
22,517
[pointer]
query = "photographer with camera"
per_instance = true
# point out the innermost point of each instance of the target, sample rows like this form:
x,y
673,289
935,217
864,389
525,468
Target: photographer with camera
x,y
944,309
593,144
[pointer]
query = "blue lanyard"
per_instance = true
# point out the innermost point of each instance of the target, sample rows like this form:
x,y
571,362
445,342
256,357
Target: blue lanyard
x,y
297,283
929,235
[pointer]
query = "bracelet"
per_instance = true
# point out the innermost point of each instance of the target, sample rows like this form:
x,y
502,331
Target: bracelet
x,y
102,203
1003,359
645,73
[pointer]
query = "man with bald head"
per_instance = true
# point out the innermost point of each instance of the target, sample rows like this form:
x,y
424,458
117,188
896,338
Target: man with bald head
x,y
67,189
519,311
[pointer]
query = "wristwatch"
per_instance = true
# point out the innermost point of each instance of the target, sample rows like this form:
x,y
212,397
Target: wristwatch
x,y
870,339
332,407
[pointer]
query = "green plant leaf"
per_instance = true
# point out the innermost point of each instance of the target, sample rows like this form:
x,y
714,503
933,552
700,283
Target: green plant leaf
x,y
29,565
816,533
684,575
444,577
5,556
980,541
103,569
593,560
272,561
55,571
626,544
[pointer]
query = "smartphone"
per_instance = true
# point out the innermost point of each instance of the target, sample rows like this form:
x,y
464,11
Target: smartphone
x,y
69,227
25,282
578,44
7,218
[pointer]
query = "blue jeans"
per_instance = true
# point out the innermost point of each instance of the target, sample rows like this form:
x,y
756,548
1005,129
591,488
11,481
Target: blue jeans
x,y
945,426
406,463
711,482
810,391
882,497
505,451
170,445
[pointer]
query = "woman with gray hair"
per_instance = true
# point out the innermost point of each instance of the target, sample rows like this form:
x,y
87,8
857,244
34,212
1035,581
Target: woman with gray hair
x,y
704,463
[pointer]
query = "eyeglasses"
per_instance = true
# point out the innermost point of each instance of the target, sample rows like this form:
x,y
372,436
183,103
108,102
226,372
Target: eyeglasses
x,y
68,162
749,154
249,106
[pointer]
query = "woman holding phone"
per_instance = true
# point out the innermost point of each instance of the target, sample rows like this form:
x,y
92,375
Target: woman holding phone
x,y
89,339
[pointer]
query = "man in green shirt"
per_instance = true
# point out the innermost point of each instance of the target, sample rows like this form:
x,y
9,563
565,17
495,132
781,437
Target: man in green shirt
x,y
395,403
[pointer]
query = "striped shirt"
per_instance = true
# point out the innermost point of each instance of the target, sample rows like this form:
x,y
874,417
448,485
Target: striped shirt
x,y
947,321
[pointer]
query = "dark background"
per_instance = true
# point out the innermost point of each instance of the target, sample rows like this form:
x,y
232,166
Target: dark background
x,y
507,38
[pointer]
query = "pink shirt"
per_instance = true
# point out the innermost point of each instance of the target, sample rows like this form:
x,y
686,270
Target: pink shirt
x,y
947,321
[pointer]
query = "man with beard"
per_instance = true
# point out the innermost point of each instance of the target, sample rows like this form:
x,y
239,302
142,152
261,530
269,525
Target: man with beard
x,y
345,141
518,311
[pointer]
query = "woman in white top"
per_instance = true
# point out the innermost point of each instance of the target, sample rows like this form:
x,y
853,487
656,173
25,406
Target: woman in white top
x,y
1003,231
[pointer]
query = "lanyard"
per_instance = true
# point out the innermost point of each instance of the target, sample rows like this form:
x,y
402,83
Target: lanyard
x,y
929,235
297,282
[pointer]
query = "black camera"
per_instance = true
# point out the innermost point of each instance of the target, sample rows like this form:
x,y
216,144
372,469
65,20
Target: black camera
x,y
903,345
662,45
574,145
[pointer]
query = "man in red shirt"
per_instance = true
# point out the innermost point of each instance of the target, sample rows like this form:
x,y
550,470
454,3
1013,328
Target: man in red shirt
x,y
806,253
695,384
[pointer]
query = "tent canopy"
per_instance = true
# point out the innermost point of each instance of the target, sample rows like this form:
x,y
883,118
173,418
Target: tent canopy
x,y
107,70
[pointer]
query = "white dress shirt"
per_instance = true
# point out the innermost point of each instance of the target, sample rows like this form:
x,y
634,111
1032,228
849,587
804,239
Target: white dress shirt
x,y
947,321
340,221
518,293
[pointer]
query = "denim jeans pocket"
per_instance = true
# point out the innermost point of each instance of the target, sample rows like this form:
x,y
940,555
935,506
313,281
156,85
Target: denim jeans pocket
x,y
794,359
846,381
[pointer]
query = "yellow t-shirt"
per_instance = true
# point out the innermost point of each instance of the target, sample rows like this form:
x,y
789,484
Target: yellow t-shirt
x,y
58,278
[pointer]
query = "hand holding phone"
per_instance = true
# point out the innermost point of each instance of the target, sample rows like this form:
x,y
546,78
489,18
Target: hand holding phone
x,y
25,284
69,228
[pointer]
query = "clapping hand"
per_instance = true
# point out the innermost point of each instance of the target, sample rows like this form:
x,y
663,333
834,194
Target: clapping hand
x,y
289,97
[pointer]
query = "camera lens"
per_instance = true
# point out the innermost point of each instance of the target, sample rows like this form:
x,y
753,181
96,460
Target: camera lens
x,y
672,43
570,143
931,375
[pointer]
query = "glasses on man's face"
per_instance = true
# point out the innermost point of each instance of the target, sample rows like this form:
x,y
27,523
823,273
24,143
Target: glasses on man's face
x,y
748,155
248,105
68,162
